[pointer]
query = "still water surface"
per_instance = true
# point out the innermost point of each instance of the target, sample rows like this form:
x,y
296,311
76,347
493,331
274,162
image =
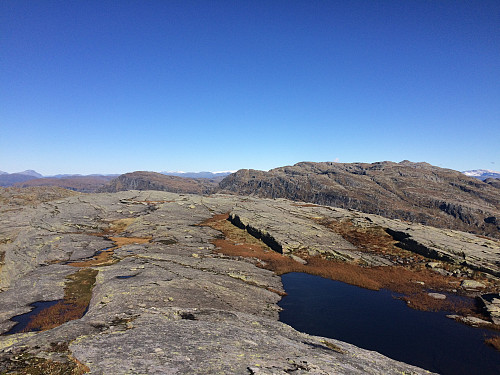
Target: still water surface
x,y
24,319
376,321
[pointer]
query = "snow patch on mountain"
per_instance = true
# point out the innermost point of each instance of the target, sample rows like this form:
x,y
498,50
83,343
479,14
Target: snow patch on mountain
x,y
482,174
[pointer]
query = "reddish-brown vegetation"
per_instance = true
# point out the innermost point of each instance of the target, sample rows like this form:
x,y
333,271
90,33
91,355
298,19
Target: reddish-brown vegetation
x,y
105,257
494,342
370,239
77,294
412,284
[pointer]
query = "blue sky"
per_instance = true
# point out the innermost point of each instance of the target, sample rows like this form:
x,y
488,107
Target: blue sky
x,y
117,86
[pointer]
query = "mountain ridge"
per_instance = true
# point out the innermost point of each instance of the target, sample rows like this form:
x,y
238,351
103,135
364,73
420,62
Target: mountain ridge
x,y
482,174
413,191
416,192
84,184
143,180
9,179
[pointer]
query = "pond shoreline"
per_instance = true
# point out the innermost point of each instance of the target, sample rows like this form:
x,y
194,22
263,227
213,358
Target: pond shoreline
x,y
375,320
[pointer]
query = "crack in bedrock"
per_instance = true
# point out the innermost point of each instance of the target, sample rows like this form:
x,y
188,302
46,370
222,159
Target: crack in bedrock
x,y
257,233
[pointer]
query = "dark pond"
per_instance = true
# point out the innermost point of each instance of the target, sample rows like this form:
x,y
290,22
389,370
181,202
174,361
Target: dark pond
x,y
376,321
23,320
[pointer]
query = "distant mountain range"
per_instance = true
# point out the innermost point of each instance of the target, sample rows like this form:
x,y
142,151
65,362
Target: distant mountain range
x,y
482,174
84,184
9,179
28,172
141,180
417,192
88,183
31,172
77,182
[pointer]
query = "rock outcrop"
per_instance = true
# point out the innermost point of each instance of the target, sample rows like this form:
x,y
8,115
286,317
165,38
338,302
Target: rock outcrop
x,y
495,182
291,229
166,300
167,304
416,192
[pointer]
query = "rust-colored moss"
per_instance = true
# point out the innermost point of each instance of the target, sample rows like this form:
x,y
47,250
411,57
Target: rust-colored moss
x,y
105,257
122,241
372,239
120,225
77,295
412,284
494,342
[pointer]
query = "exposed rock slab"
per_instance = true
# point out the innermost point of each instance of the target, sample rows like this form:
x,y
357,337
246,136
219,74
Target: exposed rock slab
x,y
287,228
168,306
491,303
294,227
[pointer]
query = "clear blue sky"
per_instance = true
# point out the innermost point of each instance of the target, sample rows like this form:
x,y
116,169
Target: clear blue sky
x,y
117,86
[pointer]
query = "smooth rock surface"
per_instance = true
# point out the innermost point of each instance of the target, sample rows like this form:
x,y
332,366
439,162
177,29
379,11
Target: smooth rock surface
x,y
173,304
168,306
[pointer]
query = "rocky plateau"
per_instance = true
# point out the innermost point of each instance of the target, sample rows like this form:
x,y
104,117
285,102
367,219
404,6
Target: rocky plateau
x,y
189,283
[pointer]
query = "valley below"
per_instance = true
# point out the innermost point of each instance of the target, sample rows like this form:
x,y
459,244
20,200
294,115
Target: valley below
x,y
169,283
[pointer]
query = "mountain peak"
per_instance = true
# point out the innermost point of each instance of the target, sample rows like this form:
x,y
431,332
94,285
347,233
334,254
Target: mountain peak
x,y
31,172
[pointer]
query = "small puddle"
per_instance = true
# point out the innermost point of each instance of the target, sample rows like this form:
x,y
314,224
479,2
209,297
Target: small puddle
x,y
24,319
376,321
78,292
50,314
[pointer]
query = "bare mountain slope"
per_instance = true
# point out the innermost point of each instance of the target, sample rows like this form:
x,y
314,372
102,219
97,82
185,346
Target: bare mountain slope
x,y
85,184
156,181
9,179
417,192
